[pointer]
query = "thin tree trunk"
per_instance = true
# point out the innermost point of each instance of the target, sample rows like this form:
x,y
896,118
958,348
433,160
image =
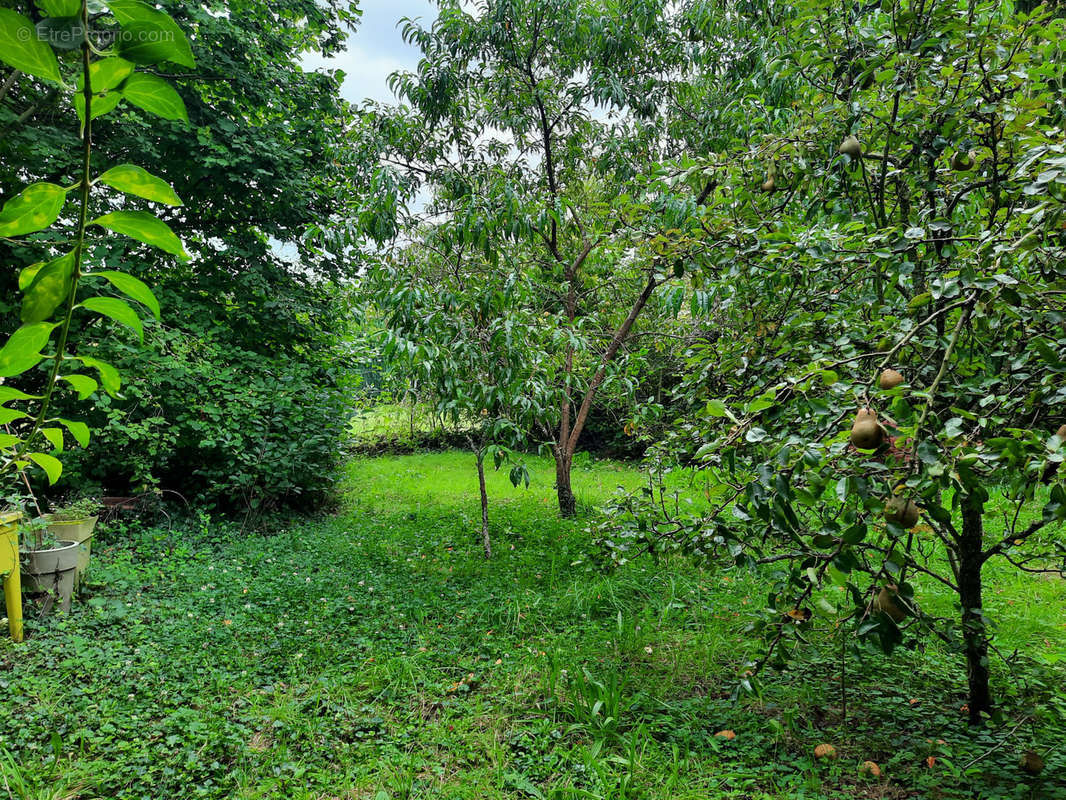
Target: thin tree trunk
x,y
485,540
975,635
567,503
569,433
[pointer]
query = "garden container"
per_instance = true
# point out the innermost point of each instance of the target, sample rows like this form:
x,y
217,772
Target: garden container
x,y
75,530
9,571
53,572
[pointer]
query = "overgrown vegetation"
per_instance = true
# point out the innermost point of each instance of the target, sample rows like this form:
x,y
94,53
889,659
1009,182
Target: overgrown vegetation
x,y
254,324
806,261
377,651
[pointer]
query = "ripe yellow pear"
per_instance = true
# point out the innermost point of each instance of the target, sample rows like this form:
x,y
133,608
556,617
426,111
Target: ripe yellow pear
x,y
850,147
866,431
890,379
902,511
885,602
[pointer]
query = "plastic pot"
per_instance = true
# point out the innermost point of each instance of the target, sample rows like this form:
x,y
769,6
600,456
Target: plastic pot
x,y
74,530
52,572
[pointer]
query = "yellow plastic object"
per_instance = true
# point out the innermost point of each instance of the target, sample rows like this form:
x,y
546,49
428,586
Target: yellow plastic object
x,y
9,570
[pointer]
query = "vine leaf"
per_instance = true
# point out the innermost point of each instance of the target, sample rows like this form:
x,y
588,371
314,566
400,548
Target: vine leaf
x,y
79,430
104,75
9,393
28,274
82,384
155,96
141,183
132,287
61,33
144,227
33,209
55,436
51,465
118,310
109,377
22,49
60,8
8,415
50,287
150,36
102,104
23,349
107,73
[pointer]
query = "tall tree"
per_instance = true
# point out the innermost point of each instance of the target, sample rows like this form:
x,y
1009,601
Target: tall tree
x,y
252,326
891,339
535,127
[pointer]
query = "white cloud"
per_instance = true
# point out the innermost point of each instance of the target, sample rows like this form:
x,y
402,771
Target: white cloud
x,y
376,49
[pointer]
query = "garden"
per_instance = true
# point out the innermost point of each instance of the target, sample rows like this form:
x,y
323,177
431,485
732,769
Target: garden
x,y
628,400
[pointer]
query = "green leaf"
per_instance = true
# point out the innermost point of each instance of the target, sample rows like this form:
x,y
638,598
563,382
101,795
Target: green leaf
x,y
137,181
61,33
50,287
149,36
109,376
28,274
102,104
106,74
51,465
34,209
79,430
715,408
60,8
118,310
144,227
132,287
10,415
55,436
919,300
22,49
9,393
82,384
155,96
7,440
23,349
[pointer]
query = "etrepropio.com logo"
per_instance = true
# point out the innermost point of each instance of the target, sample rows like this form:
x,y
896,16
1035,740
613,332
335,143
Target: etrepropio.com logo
x,y
68,34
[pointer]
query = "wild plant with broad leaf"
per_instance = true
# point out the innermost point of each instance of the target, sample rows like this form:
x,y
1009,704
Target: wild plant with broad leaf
x,y
100,56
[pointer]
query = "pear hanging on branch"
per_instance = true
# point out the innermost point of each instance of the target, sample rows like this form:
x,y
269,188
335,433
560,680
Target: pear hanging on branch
x,y
901,511
885,602
890,379
962,161
851,147
770,184
866,431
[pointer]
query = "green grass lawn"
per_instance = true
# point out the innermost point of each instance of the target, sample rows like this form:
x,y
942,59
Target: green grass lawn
x,y
374,654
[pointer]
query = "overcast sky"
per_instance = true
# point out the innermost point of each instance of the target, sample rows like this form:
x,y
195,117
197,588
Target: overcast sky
x,y
377,49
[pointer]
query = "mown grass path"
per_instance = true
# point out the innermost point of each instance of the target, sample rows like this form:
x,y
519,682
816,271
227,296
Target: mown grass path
x,y
375,654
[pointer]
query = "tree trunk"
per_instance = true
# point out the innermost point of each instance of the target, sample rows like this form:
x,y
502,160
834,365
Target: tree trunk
x,y
975,635
567,503
485,540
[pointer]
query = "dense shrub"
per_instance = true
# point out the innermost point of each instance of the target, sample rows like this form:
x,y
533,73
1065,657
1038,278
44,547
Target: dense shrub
x,y
236,404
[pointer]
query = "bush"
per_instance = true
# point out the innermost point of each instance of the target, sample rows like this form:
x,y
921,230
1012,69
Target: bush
x,y
240,413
